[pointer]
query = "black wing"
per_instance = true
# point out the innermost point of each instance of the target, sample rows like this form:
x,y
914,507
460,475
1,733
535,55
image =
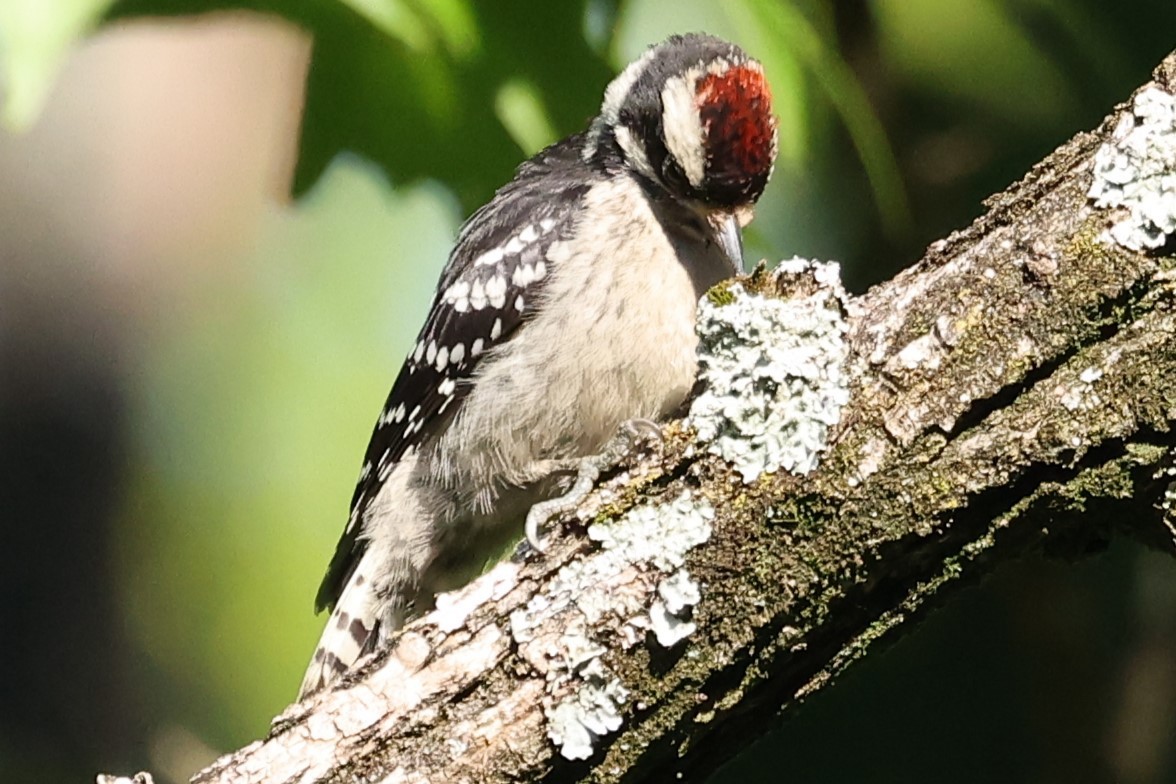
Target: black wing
x,y
486,292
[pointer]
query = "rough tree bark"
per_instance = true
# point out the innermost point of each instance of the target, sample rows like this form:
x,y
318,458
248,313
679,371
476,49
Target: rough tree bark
x,y
1014,389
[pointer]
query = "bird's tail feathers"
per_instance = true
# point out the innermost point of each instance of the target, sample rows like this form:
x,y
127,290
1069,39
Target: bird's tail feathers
x,y
350,633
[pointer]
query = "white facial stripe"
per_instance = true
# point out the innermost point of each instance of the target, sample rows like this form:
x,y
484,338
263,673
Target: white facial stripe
x,y
634,151
682,126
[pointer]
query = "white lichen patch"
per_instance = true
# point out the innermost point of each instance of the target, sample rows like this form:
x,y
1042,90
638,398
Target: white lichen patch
x,y
658,535
1083,394
638,566
591,712
669,629
1079,397
1168,503
669,617
1135,170
679,592
1090,375
925,351
774,373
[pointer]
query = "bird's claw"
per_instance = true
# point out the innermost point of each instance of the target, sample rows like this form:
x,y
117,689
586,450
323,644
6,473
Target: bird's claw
x,y
588,469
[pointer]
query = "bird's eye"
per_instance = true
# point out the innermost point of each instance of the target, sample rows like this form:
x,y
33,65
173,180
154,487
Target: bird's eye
x,y
674,178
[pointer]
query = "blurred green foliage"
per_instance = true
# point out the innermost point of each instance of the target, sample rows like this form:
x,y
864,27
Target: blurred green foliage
x,y
35,39
249,415
255,403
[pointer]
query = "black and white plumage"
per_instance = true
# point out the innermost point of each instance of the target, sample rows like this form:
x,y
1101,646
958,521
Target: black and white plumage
x,y
565,310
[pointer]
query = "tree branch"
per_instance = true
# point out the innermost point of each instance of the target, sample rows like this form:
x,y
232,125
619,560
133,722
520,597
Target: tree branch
x,y
1012,390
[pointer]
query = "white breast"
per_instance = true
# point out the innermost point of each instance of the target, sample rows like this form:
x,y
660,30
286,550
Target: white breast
x,y
613,339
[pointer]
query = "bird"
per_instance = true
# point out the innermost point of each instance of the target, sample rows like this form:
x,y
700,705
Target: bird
x,y
564,317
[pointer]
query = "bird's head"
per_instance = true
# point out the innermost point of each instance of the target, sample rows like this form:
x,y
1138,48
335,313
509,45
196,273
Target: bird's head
x,y
693,115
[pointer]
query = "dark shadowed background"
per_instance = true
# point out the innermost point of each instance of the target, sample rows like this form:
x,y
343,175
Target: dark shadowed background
x,y
220,224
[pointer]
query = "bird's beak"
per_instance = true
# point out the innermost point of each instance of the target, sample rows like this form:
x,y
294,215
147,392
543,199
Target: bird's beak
x,y
729,235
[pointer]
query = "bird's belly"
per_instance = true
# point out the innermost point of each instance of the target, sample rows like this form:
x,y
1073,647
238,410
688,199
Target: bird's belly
x,y
611,339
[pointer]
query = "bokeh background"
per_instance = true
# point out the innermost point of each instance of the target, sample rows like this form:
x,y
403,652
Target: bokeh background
x,y
220,224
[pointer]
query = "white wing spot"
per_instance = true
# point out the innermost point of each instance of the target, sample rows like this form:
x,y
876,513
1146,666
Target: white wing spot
x,y
442,358
457,353
390,415
496,330
522,275
431,354
558,252
529,234
419,351
458,296
519,303
446,387
412,417
476,347
514,246
547,224
478,298
489,258
459,289
496,291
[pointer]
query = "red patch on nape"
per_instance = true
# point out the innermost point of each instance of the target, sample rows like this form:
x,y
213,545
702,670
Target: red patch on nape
x,y
736,111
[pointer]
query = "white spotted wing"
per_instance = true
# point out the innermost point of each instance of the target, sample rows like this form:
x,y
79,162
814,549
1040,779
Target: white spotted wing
x,y
495,272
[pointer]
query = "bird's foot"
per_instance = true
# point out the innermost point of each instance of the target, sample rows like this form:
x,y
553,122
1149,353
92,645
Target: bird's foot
x,y
588,469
